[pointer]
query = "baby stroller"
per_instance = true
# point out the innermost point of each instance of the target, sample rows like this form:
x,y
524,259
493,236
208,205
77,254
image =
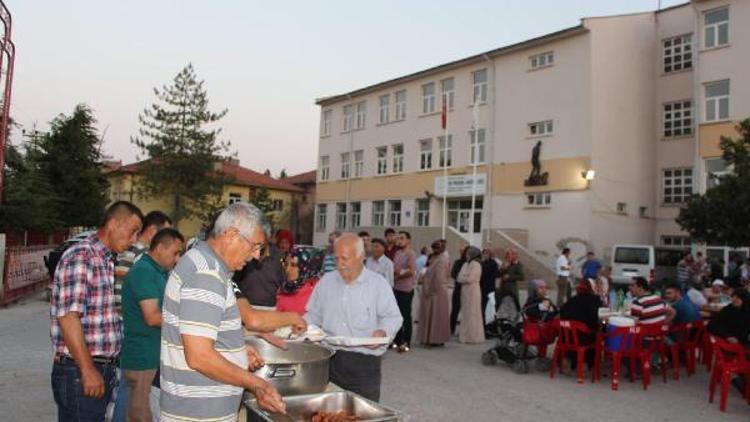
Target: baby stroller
x,y
521,344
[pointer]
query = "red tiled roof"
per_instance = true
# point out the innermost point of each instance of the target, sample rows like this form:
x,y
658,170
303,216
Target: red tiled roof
x,y
303,178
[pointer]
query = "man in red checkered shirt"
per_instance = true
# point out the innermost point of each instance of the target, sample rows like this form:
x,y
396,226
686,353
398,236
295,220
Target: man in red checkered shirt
x,y
85,326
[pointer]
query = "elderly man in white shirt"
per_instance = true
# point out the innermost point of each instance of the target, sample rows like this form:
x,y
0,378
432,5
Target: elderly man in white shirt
x,y
562,270
378,262
354,301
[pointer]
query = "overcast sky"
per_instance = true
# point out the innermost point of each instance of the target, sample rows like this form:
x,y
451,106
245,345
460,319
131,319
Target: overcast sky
x,y
264,61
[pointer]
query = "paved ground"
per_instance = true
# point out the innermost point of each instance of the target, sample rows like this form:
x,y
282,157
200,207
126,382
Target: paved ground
x,y
448,384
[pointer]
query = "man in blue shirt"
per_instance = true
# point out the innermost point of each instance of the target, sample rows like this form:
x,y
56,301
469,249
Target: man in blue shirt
x,y
590,268
685,310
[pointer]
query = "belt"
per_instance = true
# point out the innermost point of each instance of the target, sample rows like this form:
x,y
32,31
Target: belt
x,y
101,360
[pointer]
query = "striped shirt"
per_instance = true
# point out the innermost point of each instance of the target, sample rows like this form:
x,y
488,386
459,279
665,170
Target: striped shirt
x,y
125,261
649,309
329,263
200,301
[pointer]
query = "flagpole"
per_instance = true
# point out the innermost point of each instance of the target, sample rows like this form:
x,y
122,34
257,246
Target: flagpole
x,y
445,163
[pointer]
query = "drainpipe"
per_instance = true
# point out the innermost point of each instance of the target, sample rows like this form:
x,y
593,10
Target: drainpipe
x,y
488,200
351,160
697,109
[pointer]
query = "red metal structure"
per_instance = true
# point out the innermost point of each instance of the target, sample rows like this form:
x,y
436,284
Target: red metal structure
x,y
7,60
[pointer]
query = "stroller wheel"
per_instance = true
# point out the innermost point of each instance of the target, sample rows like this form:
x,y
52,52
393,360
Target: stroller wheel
x,y
489,358
542,364
521,367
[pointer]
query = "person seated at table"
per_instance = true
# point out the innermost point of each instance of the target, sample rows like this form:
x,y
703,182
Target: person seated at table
x,y
538,307
733,322
583,307
647,308
695,294
718,293
685,311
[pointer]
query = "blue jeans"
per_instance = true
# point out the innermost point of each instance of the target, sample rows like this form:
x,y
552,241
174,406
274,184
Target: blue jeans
x,y
120,412
72,405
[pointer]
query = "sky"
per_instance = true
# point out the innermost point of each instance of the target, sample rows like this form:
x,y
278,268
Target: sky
x,y
265,61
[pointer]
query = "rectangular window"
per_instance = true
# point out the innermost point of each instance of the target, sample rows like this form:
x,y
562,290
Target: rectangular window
x,y
445,147
428,98
542,60
234,198
322,216
643,212
541,128
669,240
715,169
678,118
382,160
385,108
361,114
622,208
480,86
394,213
341,216
448,91
378,213
677,185
401,105
359,163
325,129
425,154
345,165
477,146
538,200
398,158
678,53
423,212
717,101
278,204
348,118
355,211
325,167
716,27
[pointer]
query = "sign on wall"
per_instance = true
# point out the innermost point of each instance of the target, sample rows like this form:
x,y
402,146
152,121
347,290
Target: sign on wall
x,y
461,185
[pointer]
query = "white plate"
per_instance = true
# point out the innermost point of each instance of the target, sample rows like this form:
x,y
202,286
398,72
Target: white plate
x,y
357,341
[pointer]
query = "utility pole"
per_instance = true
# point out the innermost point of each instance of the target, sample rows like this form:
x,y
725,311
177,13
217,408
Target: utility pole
x,y
7,60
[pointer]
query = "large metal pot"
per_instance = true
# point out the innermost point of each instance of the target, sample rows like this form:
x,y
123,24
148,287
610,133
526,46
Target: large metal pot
x,y
301,369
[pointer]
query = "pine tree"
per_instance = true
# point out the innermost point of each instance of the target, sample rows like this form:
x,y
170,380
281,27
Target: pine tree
x,y
283,174
262,200
184,153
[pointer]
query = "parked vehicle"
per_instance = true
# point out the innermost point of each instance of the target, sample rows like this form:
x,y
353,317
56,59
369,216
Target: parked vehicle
x,y
655,263
51,260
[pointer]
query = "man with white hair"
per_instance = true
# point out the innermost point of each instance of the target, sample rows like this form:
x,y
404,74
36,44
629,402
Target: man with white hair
x,y
354,301
204,361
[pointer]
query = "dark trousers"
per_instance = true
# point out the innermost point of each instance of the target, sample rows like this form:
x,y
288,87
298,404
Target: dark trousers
x,y
357,372
404,300
455,306
72,405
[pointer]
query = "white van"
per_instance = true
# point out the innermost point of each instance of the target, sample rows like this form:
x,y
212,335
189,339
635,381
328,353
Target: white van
x,y
655,263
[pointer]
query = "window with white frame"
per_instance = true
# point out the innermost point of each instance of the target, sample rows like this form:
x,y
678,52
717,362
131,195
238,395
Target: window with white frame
x,y
322,216
445,151
538,200
447,90
382,153
398,158
716,27
359,163
325,167
428,98
678,118
361,114
715,168
394,213
400,104
341,216
675,240
325,126
477,146
355,212
542,60
423,212
677,185
425,154
541,128
385,108
678,53
234,198
378,213
277,204
345,165
348,118
480,86
717,100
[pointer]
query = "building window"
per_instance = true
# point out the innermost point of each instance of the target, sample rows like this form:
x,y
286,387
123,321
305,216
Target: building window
x,y
717,101
345,165
716,27
401,105
325,167
355,211
448,91
445,147
678,118
678,53
480,86
234,198
378,213
348,117
361,114
643,212
359,163
715,168
622,208
394,213
538,200
541,128
477,146
671,240
428,98
425,154
398,158
326,125
423,212
341,216
385,104
542,60
382,160
460,216
277,204
322,215
677,185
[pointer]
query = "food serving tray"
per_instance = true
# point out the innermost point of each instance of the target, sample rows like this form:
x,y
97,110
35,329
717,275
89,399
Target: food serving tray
x,y
302,408
356,341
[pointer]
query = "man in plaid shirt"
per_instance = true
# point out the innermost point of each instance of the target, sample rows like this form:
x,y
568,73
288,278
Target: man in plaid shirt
x,y
85,326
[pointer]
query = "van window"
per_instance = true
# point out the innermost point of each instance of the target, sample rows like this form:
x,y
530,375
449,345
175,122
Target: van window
x,y
638,256
669,257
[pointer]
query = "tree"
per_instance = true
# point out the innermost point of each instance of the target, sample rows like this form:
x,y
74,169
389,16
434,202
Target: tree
x,y
184,153
722,215
283,174
267,173
262,200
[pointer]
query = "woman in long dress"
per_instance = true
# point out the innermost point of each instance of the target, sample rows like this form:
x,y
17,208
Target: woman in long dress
x,y
434,320
471,329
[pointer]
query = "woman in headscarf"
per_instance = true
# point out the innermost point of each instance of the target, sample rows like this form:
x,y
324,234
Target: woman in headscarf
x,y
303,267
434,324
471,329
538,307
284,240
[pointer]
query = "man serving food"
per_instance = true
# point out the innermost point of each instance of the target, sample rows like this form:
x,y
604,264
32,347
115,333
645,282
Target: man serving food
x,y
355,302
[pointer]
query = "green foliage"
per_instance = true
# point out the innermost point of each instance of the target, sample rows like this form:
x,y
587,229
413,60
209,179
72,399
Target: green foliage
x,y
184,154
722,215
283,174
262,200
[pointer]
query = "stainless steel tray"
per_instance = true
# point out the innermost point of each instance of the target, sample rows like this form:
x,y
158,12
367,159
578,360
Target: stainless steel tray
x,y
301,408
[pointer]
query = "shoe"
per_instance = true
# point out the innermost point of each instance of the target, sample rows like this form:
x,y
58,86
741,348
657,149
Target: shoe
x,y
403,348
394,346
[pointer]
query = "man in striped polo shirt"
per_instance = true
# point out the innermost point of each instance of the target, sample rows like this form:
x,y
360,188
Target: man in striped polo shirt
x,y
647,308
204,361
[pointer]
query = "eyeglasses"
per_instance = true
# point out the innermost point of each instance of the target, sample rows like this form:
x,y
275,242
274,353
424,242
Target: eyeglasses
x,y
254,247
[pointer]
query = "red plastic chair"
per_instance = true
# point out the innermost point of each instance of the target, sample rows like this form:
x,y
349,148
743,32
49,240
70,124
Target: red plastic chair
x,y
569,340
638,344
731,359
538,334
688,339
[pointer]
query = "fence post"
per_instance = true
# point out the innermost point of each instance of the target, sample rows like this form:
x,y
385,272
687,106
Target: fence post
x,y
2,267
